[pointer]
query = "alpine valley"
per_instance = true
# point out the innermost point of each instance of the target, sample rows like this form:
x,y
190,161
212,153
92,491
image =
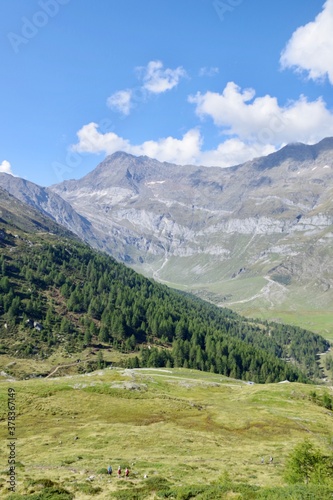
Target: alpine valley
x,y
256,237
200,402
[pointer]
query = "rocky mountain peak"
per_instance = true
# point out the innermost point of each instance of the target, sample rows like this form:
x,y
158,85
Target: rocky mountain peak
x,y
241,233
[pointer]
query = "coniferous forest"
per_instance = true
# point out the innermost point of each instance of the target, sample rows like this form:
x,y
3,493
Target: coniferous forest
x,y
55,291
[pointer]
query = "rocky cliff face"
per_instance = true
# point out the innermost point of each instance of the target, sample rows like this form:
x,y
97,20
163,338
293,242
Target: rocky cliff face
x,y
142,205
50,204
255,236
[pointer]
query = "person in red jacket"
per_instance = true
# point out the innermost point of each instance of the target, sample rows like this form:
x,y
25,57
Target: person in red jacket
x,y
126,473
119,472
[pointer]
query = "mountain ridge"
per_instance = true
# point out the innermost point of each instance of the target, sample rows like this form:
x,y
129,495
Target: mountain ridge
x,y
60,297
48,203
196,227
214,222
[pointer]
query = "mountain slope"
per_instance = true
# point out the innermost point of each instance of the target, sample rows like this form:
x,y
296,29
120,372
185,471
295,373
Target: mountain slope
x,y
19,215
58,294
256,237
49,204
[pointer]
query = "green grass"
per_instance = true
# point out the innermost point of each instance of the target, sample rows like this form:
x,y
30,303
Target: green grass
x,y
316,321
23,368
217,279
180,427
293,306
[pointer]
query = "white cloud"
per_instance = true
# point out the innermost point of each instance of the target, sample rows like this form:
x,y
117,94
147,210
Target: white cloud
x,y
208,71
233,152
254,126
181,151
157,80
310,48
261,120
184,150
121,101
187,150
93,141
5,167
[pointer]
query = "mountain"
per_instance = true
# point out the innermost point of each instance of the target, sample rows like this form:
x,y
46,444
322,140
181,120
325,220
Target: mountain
x,y
21,216
255,237
66,309
49,204
59,298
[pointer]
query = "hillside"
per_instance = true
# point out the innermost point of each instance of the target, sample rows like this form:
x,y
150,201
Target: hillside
x,y
48,204
58,295
182,433
255,237
20,216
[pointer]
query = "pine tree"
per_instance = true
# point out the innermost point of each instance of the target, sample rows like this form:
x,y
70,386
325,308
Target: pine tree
x,y
87,338
307,464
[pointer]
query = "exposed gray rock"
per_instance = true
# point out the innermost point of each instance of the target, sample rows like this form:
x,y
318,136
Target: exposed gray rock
x,y
49,203
198,226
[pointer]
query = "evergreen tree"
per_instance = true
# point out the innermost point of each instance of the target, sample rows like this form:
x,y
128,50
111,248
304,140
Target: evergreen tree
x,y
87,338
307,464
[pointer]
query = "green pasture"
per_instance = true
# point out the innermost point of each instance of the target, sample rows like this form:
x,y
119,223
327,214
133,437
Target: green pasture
x,y
178,427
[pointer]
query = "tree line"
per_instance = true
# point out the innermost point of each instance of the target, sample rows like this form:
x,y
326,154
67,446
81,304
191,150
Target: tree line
x,y
65,293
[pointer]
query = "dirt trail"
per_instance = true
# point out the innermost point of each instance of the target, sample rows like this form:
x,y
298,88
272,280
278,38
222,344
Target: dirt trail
x,y
64,366
264,293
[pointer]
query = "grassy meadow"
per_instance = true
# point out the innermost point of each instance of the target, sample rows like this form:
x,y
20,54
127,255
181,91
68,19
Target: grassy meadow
x,y
220,281
255,297
178,427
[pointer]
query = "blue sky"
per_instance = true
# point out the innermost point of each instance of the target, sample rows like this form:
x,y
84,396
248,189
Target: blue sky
x,y
210,82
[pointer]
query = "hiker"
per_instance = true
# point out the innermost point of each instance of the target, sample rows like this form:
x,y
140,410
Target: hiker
x,y
119,472
109,470
262,460
270,460
126,473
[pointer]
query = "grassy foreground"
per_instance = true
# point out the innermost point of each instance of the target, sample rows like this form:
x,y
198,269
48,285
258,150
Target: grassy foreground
x,y
178,427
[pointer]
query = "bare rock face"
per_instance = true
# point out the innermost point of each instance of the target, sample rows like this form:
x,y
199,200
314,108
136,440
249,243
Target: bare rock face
x,y
48,203
145,208
197,227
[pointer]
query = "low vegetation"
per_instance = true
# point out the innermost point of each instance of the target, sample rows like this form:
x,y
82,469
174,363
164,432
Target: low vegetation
x,y
183,434
178,395
308,464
